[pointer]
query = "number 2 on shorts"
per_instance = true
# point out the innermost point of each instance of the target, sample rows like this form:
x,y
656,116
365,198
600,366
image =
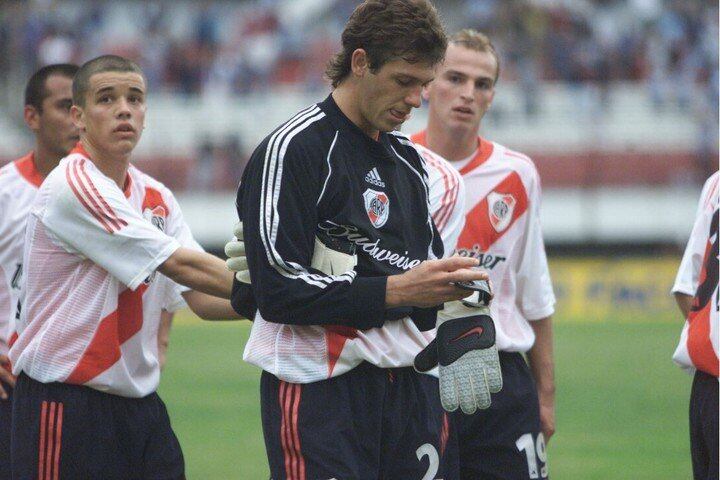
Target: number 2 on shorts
x,y
432,454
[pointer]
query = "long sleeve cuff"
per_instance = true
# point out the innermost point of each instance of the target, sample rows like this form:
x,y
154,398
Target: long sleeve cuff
x,y
367,299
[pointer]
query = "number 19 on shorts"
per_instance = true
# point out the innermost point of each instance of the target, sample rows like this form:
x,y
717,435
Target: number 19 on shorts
x,y
535,454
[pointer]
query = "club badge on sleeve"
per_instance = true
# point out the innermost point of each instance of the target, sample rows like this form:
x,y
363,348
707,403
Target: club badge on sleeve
x,y
377,206
500,210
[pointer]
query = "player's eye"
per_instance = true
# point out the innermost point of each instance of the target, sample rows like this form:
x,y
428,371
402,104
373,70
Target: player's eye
x,y
105,99
403,82
484,85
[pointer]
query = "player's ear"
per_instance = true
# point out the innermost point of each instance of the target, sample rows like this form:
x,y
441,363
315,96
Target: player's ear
x,y
426,92
492,97
78,117
359,62
31,115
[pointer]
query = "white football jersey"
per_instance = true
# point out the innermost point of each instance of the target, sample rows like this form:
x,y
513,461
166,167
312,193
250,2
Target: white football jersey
x,y
447,197
19,183
698,277
304,354
91,301
502,230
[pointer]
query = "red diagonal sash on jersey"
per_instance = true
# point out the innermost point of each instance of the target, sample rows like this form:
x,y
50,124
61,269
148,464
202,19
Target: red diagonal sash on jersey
x,y
114,330
335,338
699,343
118,327
479,228
153,199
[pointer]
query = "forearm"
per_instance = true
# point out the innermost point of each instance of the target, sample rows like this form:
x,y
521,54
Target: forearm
x,y
684,302
357,304
209,307
200,271
164,336
540,357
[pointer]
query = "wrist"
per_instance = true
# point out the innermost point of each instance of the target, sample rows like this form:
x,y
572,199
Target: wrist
x,y
457,309
393,289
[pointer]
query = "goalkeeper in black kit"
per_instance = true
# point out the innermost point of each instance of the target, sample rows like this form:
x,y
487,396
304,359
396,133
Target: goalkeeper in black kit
x,y
345,265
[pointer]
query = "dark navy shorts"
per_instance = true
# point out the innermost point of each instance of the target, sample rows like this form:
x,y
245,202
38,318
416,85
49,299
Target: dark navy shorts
x,y
369,423
505,441
5,417
704,426
63,432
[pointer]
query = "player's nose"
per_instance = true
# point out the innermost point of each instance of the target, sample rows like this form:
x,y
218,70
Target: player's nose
x,y
414,98
123,108
467,91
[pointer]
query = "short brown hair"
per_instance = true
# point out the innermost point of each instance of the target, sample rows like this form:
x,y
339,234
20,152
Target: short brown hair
x,y
479,42
104,63
388,30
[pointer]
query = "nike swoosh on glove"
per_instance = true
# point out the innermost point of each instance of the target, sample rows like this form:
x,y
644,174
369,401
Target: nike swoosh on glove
x,y
465,350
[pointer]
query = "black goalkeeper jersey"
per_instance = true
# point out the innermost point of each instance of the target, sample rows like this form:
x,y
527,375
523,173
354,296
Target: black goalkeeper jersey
x,y
320,174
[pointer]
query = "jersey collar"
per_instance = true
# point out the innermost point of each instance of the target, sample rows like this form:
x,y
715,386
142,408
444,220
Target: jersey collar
x,y
485,149
127,188
28,170
380,146
483,152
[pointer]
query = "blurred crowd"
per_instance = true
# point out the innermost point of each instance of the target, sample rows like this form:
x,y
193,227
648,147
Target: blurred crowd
x,y
219,46
215,48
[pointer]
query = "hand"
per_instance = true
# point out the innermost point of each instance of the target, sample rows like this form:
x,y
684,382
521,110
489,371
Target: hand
x,y
235,250
432,283
6,377
547,415
466,352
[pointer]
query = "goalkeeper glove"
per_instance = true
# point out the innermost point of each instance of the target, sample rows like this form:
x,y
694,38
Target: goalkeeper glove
x,y
331,256
465,350
237,261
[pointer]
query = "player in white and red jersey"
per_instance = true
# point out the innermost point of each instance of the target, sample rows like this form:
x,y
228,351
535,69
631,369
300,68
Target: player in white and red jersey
x,y
99,238
502,230
696,291
48,98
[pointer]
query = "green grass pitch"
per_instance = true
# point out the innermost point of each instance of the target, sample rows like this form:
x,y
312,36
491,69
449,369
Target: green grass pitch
x,y
621,403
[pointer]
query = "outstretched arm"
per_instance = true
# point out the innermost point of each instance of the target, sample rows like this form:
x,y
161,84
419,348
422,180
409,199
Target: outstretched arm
x,y
209,307
198,270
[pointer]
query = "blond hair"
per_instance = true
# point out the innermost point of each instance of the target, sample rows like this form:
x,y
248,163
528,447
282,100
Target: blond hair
x,y
478,41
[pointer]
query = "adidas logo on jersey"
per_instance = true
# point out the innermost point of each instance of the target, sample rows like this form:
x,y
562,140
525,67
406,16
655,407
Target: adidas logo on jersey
x,y
373,178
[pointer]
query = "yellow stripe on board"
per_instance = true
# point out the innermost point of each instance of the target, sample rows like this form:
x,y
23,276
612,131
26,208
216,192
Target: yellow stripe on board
x,y
625,289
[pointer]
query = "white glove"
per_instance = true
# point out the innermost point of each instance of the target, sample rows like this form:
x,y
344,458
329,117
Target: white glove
x,y
235,250
325,258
